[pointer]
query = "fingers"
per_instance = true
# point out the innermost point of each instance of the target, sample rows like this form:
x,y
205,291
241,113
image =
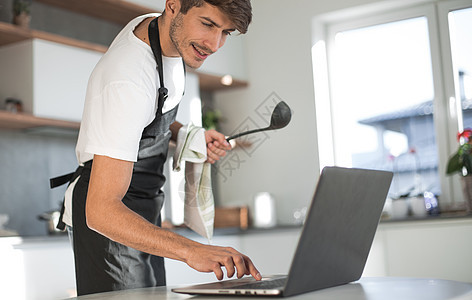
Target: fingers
x,y
218,272
230,267
252,270
213,135
213,258
240,266
243,265
215,152
216,145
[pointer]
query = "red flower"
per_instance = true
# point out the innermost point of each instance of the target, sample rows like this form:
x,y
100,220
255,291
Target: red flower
x,y
466,134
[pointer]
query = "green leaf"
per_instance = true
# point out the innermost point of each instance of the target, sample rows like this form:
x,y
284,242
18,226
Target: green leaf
x,y
454,164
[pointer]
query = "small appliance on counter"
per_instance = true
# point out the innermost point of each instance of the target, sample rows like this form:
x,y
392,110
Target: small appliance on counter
x,y
264,210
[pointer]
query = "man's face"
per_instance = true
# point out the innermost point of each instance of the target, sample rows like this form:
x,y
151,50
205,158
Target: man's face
x,y
199,33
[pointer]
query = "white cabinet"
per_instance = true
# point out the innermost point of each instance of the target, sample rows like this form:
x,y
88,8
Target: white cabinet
x,y
36,268
50,78
432,249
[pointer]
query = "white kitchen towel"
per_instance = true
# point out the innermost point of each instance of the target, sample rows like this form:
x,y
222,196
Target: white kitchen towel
x,y
199,208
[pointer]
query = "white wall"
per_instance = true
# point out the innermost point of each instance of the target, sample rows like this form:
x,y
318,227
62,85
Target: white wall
x,y
279,61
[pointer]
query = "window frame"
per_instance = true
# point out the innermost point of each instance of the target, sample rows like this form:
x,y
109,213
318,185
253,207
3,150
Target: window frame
x,y
446,118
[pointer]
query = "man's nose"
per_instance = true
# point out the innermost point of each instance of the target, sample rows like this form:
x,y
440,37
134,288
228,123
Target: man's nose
x,y
215,41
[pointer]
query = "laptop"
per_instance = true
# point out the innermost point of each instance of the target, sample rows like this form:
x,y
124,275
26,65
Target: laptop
x,y
334,243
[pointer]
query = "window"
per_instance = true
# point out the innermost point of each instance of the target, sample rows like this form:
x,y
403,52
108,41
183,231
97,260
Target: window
x,y
460,32
389,102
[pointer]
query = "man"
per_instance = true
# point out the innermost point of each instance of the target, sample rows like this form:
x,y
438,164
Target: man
x,y
114,198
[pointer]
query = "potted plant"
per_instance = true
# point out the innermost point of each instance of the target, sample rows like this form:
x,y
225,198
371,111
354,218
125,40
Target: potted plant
x,y
21,13
210,119
461,162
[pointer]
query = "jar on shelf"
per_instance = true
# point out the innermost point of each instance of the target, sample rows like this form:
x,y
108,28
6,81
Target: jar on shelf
x,y
13,105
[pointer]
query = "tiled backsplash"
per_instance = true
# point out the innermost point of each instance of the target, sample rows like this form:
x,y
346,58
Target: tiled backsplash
x,y
27,161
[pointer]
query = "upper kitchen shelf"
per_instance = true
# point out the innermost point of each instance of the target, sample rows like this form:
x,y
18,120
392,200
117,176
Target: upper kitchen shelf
x,y
24,121
116,11
10,34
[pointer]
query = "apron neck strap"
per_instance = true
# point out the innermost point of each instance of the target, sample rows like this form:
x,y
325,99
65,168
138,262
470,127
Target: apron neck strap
x,y
154,40
153,32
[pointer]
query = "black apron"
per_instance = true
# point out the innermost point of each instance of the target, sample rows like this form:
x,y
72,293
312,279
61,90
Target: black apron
x,y
104,265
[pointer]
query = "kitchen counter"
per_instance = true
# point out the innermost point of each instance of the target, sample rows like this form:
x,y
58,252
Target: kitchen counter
x,y
386,288
434,247
443,216
253,230
458,216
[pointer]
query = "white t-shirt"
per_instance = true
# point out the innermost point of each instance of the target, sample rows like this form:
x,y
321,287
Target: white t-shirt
x,y
121,100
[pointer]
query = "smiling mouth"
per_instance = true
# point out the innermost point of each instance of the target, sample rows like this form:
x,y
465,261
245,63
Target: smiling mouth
x,y
200,53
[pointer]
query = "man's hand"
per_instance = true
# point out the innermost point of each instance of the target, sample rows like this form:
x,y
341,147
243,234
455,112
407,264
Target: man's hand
x,y
206,258
216,145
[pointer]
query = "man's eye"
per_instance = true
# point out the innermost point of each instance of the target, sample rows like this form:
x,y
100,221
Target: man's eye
x,y
207,24
227,32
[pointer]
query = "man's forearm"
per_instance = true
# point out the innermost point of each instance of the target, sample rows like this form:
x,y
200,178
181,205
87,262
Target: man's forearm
x,y
109,216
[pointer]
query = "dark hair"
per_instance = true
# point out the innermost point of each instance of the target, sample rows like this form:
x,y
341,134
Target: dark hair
x,y
238,11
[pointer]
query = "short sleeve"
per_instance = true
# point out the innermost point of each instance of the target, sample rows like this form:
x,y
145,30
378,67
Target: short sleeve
x,y
114,120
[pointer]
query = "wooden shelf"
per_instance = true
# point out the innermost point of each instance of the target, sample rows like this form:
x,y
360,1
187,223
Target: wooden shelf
x,y
26,121
10,34
211,83
116,11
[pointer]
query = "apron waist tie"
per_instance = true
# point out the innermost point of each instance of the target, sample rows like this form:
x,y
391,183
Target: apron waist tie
x,y
61,180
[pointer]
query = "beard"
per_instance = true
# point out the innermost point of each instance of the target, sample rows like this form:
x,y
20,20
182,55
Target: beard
x,y
175,27
176,36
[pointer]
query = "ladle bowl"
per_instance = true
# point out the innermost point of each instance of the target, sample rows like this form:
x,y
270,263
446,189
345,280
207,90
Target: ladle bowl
x,y
281,116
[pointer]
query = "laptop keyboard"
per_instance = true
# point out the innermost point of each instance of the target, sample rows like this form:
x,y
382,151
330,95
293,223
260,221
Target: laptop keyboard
x,y
264,284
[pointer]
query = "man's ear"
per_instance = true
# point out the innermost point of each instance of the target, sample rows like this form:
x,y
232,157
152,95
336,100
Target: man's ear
x,y
172,7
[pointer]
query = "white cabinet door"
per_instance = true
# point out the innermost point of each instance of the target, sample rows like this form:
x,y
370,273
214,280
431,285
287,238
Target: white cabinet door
x,y
49,78
36,268
440,249
60,77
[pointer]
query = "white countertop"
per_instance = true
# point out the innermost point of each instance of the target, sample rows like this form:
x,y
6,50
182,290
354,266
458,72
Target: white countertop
x,y
385,288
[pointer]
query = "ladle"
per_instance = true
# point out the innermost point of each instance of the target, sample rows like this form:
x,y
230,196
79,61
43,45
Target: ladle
x,y
281,116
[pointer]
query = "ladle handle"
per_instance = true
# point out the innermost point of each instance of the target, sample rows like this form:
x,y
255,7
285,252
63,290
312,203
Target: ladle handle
x,y
246,132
